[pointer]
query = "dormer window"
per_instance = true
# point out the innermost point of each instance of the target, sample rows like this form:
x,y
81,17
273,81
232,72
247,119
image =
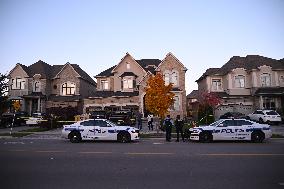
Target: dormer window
x,y
104,85
68,88
265,80
216,84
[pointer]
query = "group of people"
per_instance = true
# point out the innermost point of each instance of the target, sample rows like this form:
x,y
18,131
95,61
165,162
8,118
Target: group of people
x,y
168,124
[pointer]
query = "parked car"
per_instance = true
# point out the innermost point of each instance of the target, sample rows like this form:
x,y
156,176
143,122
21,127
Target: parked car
x,y
98,114
231,129
99,129
236,115
19,120
265,116
35,120
122,117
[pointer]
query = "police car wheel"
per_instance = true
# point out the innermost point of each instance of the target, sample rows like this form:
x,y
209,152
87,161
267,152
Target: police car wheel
x,y
75,137
205,137
124,137
257,137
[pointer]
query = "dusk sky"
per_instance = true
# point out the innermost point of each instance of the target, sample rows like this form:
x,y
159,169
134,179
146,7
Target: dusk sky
x,y
97,34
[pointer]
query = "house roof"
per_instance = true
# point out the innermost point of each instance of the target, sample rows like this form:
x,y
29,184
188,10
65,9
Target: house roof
x,y
249,63
210,71
146,64
193,94
128,74
48,72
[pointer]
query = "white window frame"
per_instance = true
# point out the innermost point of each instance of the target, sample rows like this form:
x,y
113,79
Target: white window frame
x,y
240,81
264,81
36,86
127,83
17,83
176,103
69,89
218,84
104,85
171,77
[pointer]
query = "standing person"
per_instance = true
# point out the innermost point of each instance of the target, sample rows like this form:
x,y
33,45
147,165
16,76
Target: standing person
x,y
168,123
139,120
150,122
179,127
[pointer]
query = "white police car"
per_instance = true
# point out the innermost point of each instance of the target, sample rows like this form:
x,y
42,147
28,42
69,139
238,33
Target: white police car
x,y
231,129
99,129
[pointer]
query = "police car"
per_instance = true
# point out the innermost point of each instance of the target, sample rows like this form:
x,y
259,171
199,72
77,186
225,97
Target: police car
x,y
231,129
99,129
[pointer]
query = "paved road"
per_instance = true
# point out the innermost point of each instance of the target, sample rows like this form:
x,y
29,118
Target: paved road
x,y
150,163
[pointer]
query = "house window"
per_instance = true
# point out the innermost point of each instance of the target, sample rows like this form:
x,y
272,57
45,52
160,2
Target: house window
x,y
104,84
18,83
281,79
68,88
171,77
128,66
167,78
240,81
36,86
176,103
265,80
216,84
127,83
268,103
174,78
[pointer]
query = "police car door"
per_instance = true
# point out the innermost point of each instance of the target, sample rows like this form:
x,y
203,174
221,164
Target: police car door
x,y
241,130
225,130
101,130
88,127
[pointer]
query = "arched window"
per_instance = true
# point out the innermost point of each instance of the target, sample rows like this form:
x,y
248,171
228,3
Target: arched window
x,y
68,88
36,86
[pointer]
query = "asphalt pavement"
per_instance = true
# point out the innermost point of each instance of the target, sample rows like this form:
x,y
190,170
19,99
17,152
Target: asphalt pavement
x,y
149,163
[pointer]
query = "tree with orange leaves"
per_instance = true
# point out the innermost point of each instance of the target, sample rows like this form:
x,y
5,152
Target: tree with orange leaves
x,y
158,97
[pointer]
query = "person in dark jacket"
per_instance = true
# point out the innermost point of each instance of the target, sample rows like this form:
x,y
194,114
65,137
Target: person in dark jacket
x,y
168,124
179,127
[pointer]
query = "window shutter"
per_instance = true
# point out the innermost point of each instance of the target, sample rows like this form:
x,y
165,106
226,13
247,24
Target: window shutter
x,y
121,83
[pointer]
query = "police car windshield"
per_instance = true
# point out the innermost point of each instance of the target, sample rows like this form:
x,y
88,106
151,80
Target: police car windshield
x,y
216,123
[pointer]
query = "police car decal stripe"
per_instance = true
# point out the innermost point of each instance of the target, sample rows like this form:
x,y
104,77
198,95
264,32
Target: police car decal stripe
x,y
73,129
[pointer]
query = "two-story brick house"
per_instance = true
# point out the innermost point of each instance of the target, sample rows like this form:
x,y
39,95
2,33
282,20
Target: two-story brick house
x,y
41,86
122,85
245,84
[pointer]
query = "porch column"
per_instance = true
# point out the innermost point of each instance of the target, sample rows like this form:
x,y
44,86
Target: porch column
x,y
261,102
38,105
